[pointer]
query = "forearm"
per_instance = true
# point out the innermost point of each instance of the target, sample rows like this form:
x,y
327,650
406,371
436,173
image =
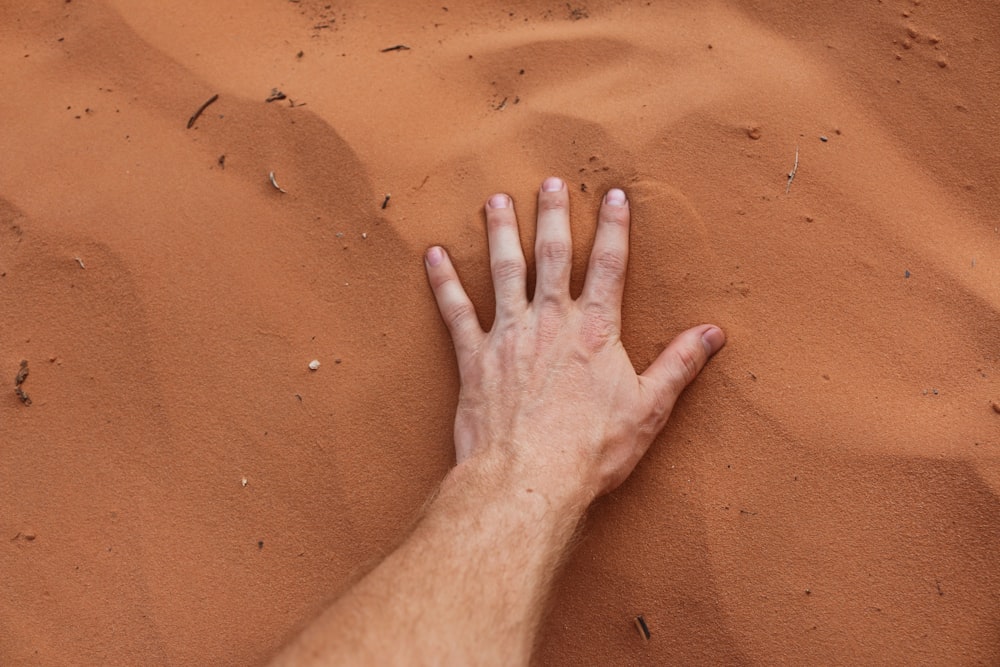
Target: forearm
x,y
467,587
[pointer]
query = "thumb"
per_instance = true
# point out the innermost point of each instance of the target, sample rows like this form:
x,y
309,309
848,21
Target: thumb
x,y
679,364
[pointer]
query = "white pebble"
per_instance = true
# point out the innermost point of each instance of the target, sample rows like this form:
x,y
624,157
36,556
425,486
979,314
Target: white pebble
x,y
314,364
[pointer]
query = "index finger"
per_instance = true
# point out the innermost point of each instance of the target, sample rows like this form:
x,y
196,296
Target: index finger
x,y
605,283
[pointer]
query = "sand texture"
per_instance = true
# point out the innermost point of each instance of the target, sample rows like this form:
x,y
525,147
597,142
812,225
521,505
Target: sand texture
x,y
184,490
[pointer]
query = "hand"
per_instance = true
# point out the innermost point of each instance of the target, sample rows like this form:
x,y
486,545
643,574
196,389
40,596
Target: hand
x,y
549,395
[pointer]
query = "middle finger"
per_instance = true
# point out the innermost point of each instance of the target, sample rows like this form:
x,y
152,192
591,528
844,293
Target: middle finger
x,y
553,242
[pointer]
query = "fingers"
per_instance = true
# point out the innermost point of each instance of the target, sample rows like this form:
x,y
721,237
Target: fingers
x,y
678,365
454,304
553,242
605,283
506,257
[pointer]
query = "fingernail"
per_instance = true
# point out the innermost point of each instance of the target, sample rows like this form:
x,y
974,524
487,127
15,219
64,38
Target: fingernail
x,y
499,201
435,255
552,184
615,197
713,339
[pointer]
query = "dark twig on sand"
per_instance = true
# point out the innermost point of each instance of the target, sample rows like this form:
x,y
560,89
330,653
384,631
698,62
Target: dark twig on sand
x,y
398,47
385,202
22,375
201,110
640,624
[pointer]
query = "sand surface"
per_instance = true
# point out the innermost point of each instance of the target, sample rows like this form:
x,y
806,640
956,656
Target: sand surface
x,y
183,490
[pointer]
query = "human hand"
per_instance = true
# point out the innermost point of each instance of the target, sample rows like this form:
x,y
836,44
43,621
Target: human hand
x,y
549,395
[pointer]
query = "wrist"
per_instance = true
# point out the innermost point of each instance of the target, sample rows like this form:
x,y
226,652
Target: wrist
x,y
499,479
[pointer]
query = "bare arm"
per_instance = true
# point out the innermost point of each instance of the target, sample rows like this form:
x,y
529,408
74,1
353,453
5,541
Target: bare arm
x,y
551,414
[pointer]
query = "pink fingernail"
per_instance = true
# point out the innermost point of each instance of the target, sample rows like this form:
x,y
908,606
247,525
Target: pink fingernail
x,y
713,339
499,201
435,255
615,197
552,184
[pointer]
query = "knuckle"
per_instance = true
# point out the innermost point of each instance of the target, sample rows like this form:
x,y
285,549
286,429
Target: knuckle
x,y
687,365
598,329
439,279
508,309
508,269
615,217
553,203
610,263
551,318
550,305
457,314
554,251
548,330
500,220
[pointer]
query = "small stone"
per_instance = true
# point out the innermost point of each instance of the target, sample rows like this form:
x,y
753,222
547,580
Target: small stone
x,y
824,139
753,132
314,365
244,481
996,406
906,274
29,536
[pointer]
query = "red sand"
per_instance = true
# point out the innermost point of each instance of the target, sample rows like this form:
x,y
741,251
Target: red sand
x,y
826,493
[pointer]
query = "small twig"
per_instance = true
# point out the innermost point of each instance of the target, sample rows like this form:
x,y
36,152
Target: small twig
x,y
22,375
398,47
385,202
275,95
502,105
201,110
80,262
23,396
791,174
274,182
640,624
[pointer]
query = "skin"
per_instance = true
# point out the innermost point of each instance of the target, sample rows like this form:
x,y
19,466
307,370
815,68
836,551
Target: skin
x,y
551,415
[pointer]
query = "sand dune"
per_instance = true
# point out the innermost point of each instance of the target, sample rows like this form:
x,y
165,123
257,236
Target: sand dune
x,y
827,492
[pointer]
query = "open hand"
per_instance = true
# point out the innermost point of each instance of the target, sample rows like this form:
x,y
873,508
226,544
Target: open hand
x,y
549,395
